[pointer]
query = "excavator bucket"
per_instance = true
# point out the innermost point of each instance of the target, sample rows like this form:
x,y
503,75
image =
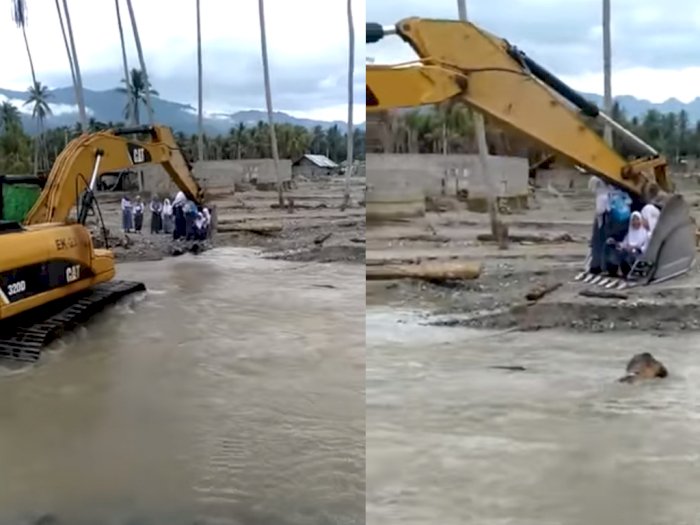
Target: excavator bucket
x,y
671,250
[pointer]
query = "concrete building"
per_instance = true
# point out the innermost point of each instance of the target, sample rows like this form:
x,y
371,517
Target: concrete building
x,y
313,166
398,184
222,174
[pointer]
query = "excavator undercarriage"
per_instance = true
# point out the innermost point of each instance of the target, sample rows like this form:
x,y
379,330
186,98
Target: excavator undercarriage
x,y
459,62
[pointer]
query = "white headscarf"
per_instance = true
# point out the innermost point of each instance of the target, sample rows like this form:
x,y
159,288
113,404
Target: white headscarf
x,y
179,199
650,214
636,237
602,195
167,207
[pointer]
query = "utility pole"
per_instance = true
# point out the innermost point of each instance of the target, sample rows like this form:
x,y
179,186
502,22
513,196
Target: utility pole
x,y
498,230
607,70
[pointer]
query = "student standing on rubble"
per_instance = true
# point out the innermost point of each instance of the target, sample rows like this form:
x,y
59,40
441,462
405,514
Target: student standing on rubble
x,y
156,208
138,214
127,217
167,216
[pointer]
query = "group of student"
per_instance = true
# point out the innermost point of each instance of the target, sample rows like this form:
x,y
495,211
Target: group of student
x,y
620,235
182,218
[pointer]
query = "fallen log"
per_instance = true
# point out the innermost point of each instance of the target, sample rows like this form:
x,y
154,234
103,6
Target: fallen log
x,y
538,292
529,238
428,271
423,237
259,228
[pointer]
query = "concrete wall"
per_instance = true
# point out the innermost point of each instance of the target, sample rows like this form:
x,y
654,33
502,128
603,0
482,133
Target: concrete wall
x,y
454,172
220,173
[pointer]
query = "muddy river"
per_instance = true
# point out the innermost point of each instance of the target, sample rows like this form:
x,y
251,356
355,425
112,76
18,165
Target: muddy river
x,y
233,392
452,441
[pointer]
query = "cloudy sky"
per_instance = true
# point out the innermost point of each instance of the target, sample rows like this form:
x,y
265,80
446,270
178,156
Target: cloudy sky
x,y
656,44
307,46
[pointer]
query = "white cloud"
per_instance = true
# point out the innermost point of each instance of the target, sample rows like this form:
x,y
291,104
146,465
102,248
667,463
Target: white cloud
x,y
654,45
307,42
56,109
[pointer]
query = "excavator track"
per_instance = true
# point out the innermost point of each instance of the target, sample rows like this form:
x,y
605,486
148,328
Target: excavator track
x,y
23,338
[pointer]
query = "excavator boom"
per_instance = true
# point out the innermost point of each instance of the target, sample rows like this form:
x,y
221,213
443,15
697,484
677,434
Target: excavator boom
x,y
460,62
90,155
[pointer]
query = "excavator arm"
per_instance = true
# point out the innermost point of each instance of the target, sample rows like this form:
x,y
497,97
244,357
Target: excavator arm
x,y
459,61
85,158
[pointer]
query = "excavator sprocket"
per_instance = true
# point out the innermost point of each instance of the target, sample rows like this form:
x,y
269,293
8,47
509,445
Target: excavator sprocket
x,y
23,337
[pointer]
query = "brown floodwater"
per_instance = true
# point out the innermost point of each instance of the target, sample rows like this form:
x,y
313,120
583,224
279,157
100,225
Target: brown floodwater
x,y
232,392
451,440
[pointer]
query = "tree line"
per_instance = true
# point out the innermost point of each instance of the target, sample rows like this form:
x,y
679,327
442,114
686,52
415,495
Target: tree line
x,y
18,148
451,130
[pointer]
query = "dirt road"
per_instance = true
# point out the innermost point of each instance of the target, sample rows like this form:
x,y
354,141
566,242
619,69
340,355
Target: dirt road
x,y
549,247
314,229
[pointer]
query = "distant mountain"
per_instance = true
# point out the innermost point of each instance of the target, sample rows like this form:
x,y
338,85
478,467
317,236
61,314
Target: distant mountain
x,y
108,106
635,107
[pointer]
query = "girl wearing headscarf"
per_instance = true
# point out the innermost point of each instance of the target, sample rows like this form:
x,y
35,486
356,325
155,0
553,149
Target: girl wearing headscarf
x,y
650,216
179,214
167,215
127,216
634,244
598,235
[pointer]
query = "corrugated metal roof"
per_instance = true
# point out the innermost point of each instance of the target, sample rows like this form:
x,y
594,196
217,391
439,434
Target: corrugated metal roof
x,y
321,161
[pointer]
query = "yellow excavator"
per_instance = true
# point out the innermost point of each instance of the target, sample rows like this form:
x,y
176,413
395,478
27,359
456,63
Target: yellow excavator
x,y
52,278
461,62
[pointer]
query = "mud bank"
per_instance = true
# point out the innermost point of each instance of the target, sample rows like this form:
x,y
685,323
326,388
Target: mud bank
x,y
315,227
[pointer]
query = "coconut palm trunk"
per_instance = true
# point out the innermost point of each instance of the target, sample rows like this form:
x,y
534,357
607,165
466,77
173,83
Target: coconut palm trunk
x,y
78,85
200,116
142,62
65,43
125,65
351,135
498,230
268,102
607,132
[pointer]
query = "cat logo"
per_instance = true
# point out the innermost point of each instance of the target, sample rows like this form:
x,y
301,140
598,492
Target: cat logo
x,y
138,154
73,273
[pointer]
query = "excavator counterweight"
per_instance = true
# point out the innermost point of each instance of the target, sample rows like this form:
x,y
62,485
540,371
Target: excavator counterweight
x,y
52,278
460,62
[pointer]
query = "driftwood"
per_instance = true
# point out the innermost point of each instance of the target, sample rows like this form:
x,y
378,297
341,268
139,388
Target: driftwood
x,y
322,238
260,228
425,238
538,292
603,294
429,271
528,237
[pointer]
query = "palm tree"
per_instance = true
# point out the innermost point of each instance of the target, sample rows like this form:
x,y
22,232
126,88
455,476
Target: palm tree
x,y
137,92
65,42
9,117
129,108
19,16
142,63
78,84
200,118
607,69
38,96
351,70
268,101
